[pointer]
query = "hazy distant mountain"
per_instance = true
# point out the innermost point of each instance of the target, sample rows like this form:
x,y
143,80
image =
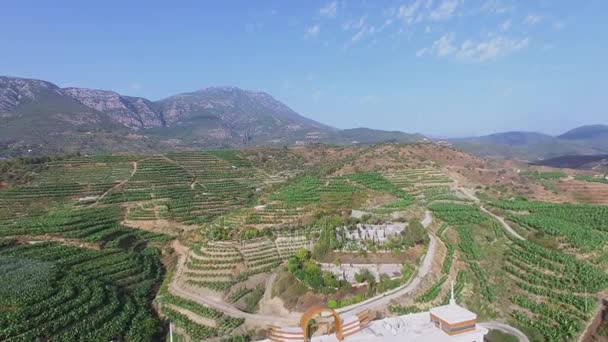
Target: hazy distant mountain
x,y
533,146
40,116
592,135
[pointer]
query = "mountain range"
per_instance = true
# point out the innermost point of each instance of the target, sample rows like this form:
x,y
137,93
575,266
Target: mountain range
x,y
39,117
533,146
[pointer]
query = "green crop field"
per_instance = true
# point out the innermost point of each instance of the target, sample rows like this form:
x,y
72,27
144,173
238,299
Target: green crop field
x,y
114,247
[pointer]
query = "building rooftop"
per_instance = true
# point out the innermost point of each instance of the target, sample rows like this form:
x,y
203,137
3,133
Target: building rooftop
x,y
413,327
453,313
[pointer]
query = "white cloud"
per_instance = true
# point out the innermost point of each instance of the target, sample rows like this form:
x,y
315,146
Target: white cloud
x,y
506,25
354,24
312,31
443,46
490,48
330,10
445,10
409,14
357,36
532,19
483,50
495,7
136,87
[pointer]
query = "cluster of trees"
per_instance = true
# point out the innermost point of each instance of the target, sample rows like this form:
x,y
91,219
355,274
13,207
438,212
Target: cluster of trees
x,y
309,272
22,170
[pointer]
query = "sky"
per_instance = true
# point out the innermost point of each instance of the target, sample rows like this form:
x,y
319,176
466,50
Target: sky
x,y
445,68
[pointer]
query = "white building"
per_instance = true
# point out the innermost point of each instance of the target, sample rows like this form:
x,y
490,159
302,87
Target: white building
x,y
447,323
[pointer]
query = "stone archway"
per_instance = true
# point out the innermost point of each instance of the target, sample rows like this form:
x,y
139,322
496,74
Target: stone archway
x,y
312,312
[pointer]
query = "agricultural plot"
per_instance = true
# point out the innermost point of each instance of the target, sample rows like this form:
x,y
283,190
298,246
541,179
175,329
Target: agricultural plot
x,y
289,244
214,265
87,170
550,293
67,293
195,187
329,192
418,178
95,225
462,217
172,307
540,176
260,255
582,226
557,289
440,193
592,179
276,214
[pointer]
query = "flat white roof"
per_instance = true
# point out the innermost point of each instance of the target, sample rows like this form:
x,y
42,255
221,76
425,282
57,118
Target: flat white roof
x,y
453,313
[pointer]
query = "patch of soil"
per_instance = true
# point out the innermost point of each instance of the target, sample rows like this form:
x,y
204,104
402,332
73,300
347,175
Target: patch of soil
x,y
32,239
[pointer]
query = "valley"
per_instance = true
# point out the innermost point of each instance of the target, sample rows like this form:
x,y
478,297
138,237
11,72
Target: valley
x,y
225,244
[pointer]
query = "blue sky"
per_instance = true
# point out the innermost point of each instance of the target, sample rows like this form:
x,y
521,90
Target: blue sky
x,y
440,67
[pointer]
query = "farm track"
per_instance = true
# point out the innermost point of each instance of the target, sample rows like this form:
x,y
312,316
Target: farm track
x,y
33,239
175,287
117,186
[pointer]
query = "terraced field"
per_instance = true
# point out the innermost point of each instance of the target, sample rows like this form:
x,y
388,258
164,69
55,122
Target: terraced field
x,y
67,293
551,292
75,268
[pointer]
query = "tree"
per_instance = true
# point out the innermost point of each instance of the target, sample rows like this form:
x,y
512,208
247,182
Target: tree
x,y
303,254
415,234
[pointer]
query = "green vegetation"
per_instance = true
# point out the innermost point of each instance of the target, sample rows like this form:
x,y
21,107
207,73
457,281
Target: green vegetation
x,y
587,178
67,293
582,226
331,192
538,175
376,181
310,274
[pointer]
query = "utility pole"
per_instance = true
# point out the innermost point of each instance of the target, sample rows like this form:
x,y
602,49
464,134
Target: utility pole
x,y
170,332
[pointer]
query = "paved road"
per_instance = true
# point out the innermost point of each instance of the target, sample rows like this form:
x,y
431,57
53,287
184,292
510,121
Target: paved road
x,y
384,299
506,329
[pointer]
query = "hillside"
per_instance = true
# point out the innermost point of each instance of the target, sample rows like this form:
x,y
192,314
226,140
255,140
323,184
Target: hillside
x,y
225,243
44,118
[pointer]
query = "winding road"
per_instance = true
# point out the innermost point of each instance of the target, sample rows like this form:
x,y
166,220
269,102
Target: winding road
x,y
375,302
385,298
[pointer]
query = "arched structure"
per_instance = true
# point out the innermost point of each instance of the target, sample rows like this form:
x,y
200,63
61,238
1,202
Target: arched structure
x,y
315,310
